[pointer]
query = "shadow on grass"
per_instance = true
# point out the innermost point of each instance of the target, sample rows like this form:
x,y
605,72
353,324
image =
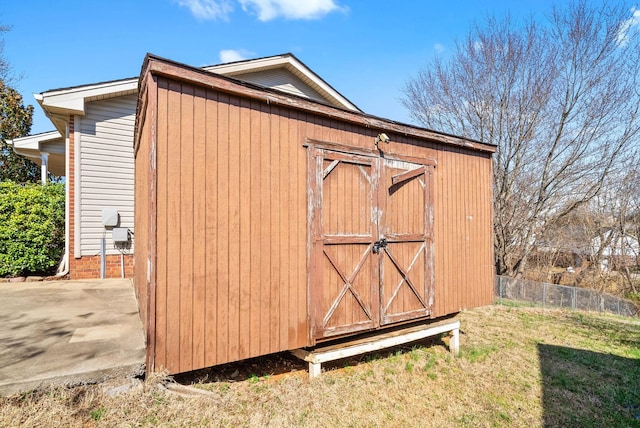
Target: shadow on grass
x,y
252,368
589,389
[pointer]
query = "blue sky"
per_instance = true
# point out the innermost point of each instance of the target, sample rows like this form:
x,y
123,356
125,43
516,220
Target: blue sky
x,y
366,49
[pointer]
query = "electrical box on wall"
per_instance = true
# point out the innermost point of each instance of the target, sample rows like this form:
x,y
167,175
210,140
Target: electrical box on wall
x,y
120,235
110,217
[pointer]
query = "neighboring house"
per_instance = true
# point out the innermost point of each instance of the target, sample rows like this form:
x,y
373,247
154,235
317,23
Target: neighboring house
x,y
92,147
565,246
616,249
575,247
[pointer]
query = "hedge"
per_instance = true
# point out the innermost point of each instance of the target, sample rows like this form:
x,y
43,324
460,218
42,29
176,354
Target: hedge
x,y
31,228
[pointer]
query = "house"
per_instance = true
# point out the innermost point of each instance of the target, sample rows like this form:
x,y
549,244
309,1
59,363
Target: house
x,y
615,249
92,146
266,221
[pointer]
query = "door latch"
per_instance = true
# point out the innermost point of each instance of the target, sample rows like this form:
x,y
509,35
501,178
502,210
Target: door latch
x,y
382,243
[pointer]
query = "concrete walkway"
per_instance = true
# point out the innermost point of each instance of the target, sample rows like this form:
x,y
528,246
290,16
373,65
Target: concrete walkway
x,y
68,332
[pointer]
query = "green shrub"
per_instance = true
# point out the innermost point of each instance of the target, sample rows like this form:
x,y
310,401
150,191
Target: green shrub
x,y
31,228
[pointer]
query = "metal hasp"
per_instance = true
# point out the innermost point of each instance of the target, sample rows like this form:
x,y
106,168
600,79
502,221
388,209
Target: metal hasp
x,y
382,243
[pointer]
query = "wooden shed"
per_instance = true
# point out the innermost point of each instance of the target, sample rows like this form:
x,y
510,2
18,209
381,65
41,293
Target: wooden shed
x,y
268,222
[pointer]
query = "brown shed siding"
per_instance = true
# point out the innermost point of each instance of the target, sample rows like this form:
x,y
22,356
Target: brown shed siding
x,y
463,232
229,280
144,212
231,209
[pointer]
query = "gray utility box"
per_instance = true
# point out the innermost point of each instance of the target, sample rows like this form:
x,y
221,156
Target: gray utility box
x,y
120,235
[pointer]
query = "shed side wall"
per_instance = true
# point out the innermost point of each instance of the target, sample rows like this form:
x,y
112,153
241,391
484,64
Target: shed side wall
x,y
142,195
231,230
463,231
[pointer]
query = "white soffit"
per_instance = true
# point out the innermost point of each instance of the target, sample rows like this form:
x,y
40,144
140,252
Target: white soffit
x,y
34,142
72,100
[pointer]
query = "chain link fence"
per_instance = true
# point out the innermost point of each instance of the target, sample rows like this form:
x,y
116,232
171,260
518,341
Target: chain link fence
x,y
562,296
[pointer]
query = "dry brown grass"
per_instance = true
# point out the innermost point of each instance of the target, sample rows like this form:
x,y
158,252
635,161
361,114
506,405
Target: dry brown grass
x,y
518,367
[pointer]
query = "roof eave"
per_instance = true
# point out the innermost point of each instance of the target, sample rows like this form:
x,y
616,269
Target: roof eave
x,y
34,142
72,100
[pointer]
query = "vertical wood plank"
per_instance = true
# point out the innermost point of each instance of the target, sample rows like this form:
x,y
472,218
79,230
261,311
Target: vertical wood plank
x,y
152,220
235,238
223,274
211,230
274,226
144,202
186,228
439,236
298,281
430,248
454,273
303,322
199,226
244,259
284,229
471,214
265,233
256,250
314,245
174,220
162,226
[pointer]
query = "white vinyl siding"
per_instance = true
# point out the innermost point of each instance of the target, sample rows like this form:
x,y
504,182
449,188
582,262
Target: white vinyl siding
x,y
106,170
282,80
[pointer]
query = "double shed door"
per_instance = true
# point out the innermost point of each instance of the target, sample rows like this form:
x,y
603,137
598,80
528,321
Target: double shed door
x,y
371,241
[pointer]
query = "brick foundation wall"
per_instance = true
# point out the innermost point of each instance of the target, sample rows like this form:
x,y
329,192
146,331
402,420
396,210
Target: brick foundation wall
x,y
88,267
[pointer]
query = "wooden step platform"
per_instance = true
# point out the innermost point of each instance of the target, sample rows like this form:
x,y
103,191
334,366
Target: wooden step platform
x,y
335,351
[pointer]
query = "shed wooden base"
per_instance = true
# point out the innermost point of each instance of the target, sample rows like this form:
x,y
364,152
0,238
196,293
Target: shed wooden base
x,y
324,353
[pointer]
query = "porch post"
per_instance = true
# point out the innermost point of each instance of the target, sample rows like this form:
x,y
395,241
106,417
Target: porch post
x,y
45,167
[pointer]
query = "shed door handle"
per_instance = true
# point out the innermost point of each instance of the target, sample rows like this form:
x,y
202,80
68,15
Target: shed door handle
x,y
382,243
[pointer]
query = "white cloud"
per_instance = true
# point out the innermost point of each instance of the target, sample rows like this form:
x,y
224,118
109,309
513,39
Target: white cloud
x,y
439,48
231,55
629,28
208,9
289,9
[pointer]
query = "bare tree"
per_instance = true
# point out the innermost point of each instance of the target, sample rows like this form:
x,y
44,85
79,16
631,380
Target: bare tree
x,y
559,99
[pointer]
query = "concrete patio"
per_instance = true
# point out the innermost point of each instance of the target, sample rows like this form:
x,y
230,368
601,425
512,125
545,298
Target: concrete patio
x,y
68,332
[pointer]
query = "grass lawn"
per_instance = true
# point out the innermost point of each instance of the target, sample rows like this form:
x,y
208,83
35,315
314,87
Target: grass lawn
x,y
518,367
